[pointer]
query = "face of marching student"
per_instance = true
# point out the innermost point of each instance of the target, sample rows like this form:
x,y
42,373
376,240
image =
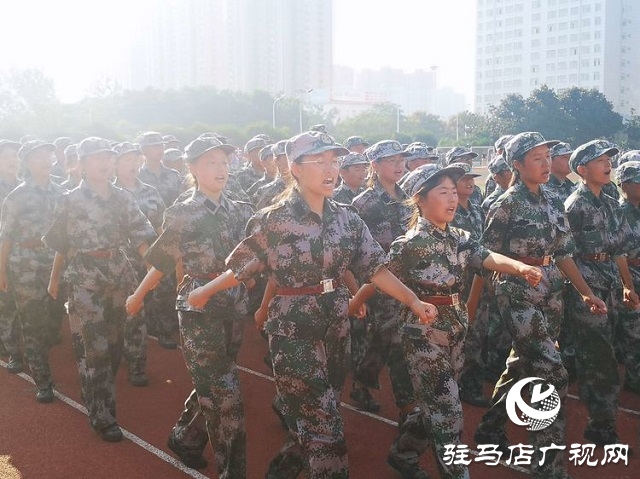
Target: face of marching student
x,y
535,167
354,175
211,170
9,163
317,174
98,167
597,171
127,166
440,203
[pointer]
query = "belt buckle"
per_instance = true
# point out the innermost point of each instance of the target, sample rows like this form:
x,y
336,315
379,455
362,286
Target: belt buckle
x,y
546,260
455,299
327,286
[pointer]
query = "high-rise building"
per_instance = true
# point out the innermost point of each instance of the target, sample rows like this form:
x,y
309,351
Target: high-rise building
x,y
273,45
523,44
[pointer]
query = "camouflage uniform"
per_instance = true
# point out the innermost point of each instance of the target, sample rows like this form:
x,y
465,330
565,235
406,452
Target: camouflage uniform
x,y
343,194
268,193
93,233
201,234
432,262
247,176
26,213
9,334
309,333
562,189
598,226
167,182
253,190
523,225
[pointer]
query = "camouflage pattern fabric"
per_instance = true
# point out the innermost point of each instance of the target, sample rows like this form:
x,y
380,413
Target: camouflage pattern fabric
x,y
268,193
9,334
309,334
491,198
253,189
562,189
343,194
247,176
70,183
167,182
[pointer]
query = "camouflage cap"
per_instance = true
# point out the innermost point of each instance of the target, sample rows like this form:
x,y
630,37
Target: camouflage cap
x,y
416,180
590,151
384,149
255,142
172,154
457,152
468,170
208,134
170,139
126,147
497,165
200,146
62,142
264,136
353,159
266,153
628,172
150,138
421,151
312,143
321,127
30,146
280,148
71,151
14,145
631,155
502,141
560,149
354,141
522,143
94,145
26,138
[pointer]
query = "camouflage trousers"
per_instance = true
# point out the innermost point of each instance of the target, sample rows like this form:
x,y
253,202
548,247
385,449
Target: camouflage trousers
x,y
33,304
384,348
358,341
9,324
498,341
475,341
309,374
98,317
597,366
534,329
135,343
435,368
160,308
210,358
627,341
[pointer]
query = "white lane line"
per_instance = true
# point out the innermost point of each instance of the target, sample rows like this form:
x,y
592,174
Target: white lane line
x,y
633,412
129,435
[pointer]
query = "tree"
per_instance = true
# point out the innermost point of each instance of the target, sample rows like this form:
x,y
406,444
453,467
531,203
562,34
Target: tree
x,y
591,114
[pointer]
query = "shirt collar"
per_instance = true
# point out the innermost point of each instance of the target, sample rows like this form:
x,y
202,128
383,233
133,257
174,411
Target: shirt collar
x,y
428,227
202,199
301,209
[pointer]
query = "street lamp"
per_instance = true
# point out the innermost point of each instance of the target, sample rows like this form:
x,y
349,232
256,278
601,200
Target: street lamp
x,y
300,105
273,123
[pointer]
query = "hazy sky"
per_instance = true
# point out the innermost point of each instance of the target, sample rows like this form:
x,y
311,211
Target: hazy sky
x,y
78,42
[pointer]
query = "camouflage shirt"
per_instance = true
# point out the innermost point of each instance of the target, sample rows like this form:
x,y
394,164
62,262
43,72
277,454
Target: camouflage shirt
x,y
167,182
343,194
471,220
598,226
431,262
265,180
267,193
295,247
149,202
632,215
522,224
247,176
84,223
612,190
562,189
476,196
7,187
27,213
70,183
491,198
201,233
387,218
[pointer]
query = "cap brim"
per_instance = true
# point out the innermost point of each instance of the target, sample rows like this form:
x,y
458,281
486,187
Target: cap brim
x,y
564,153
340,151
456,172
104,150
610,152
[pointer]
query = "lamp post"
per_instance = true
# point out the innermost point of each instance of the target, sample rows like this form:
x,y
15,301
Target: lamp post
x,y
273,123
300,105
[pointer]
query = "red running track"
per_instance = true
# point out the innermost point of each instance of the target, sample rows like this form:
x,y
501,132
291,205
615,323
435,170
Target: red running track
x,y
55,441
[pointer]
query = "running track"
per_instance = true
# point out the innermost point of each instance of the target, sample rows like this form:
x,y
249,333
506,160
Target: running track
x,y
55,441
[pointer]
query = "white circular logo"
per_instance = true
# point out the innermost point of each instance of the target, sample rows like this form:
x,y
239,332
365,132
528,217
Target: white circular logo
x,y
544,407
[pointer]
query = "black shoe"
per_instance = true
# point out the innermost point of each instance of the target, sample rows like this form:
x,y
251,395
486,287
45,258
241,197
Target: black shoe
x,y
188,457
363,399
14,366
167,342
407,468
111,433
45,395
601,434
497,437
138,380
284,465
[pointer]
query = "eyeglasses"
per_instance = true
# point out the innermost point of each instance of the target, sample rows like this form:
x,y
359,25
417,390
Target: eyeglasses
x,y
393,161
332,164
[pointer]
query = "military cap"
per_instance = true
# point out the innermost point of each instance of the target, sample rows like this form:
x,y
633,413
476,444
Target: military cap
x,y
384,149
126,147
354,141
520,144
14,145
420,151
255,142
590,151
279,148
468,170
458,152
628,172
172,154
419,143
208,134
30,146
497,165
560,149
62,142
353,159
170,139
200,146
631,155
319,127
266,153
312,143
502,141
416,180
26,138
150,138
71,151
264,136
94,145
